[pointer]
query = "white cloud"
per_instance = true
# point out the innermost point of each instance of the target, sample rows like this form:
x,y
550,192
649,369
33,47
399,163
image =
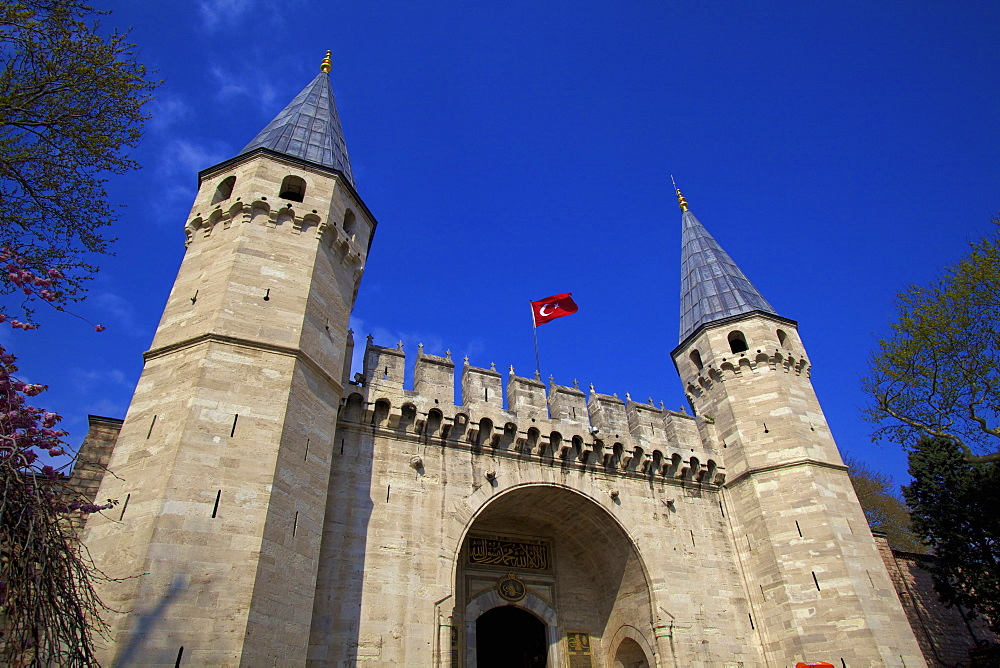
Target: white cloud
x,y
217,13
86,380
166,110
117,312
245,83
182,156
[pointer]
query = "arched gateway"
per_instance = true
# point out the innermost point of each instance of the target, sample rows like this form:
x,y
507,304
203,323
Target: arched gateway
x,y
547,577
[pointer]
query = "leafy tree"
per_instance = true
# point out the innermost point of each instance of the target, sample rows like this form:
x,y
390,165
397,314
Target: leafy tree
x,y
71,101
884,510
955,506
937,373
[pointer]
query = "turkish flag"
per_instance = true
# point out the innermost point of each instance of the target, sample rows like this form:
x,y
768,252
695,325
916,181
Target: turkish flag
x,y
553,307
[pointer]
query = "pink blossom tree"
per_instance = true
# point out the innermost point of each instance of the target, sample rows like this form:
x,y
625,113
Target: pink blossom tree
x,y
49,610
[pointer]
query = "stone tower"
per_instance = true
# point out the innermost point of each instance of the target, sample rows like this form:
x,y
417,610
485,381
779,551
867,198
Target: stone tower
x,y
223,462
817,585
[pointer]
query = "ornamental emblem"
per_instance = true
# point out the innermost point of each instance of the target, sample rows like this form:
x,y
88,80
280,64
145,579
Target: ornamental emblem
x,y
510,588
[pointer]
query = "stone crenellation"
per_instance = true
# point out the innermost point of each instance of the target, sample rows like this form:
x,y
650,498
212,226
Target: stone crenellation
x,y
545,422
747,363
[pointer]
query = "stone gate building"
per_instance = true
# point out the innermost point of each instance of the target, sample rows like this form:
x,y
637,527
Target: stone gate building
x,y
276,511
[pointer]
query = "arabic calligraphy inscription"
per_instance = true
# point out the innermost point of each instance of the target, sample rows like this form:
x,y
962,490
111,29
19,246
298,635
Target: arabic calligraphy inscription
x,y
508,554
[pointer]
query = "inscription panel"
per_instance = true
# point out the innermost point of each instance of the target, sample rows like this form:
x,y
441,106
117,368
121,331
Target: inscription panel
x,y
508,554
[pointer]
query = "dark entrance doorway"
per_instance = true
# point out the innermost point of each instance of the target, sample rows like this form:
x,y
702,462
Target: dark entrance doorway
x,y
508,637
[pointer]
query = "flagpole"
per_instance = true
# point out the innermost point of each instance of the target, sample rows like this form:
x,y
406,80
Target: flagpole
x,y
534,331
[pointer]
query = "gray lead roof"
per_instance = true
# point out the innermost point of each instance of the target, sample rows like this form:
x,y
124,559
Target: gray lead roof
x,y
712,286
308,128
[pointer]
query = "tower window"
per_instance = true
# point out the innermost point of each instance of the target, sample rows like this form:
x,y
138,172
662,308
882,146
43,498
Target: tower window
x,y
737,342
696,360
782,338
350,223
293,188
224,190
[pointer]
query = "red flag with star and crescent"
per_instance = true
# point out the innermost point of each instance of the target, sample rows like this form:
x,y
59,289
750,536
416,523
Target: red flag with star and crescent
x,y
550,308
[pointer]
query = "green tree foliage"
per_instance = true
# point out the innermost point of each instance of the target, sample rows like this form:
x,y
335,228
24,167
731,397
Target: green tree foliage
x,y
884,509
938,372
956,511
71,99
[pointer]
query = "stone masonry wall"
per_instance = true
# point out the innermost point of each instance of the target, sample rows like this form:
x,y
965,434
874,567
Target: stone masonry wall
x,y
92,461
413,475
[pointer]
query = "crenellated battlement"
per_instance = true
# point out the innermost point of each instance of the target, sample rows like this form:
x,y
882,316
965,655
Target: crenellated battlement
x,y
553,422
746,365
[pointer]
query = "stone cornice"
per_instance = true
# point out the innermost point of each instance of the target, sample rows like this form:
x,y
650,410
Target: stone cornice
x,y
211,337
784,465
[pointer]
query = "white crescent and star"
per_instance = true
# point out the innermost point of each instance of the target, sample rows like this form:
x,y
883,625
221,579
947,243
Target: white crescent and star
x,y
542,312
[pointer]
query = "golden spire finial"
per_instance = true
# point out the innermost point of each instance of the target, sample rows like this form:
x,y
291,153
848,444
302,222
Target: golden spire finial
x,y
680,198
327,64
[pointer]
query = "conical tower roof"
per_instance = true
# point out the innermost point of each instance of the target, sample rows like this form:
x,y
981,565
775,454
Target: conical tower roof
x,y
309,128
712,286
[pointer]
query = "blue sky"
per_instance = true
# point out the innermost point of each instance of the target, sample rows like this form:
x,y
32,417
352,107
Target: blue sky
x,y
838,151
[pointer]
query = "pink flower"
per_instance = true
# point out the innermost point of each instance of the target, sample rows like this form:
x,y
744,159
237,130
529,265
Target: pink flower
x,y
99,328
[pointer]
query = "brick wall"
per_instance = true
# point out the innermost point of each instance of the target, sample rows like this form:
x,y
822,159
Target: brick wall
x,y
92,462
945,634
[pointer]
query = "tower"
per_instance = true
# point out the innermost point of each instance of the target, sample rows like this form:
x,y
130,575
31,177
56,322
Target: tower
x,y
816,584
223,461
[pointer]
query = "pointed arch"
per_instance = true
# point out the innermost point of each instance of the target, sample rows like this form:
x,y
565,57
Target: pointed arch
x,y
224,190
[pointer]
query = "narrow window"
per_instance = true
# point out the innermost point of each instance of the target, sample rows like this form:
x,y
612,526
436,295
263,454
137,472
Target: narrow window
x,y
782,338
125,505
224,190
215,509
293,188
737,342
696,360
350,223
